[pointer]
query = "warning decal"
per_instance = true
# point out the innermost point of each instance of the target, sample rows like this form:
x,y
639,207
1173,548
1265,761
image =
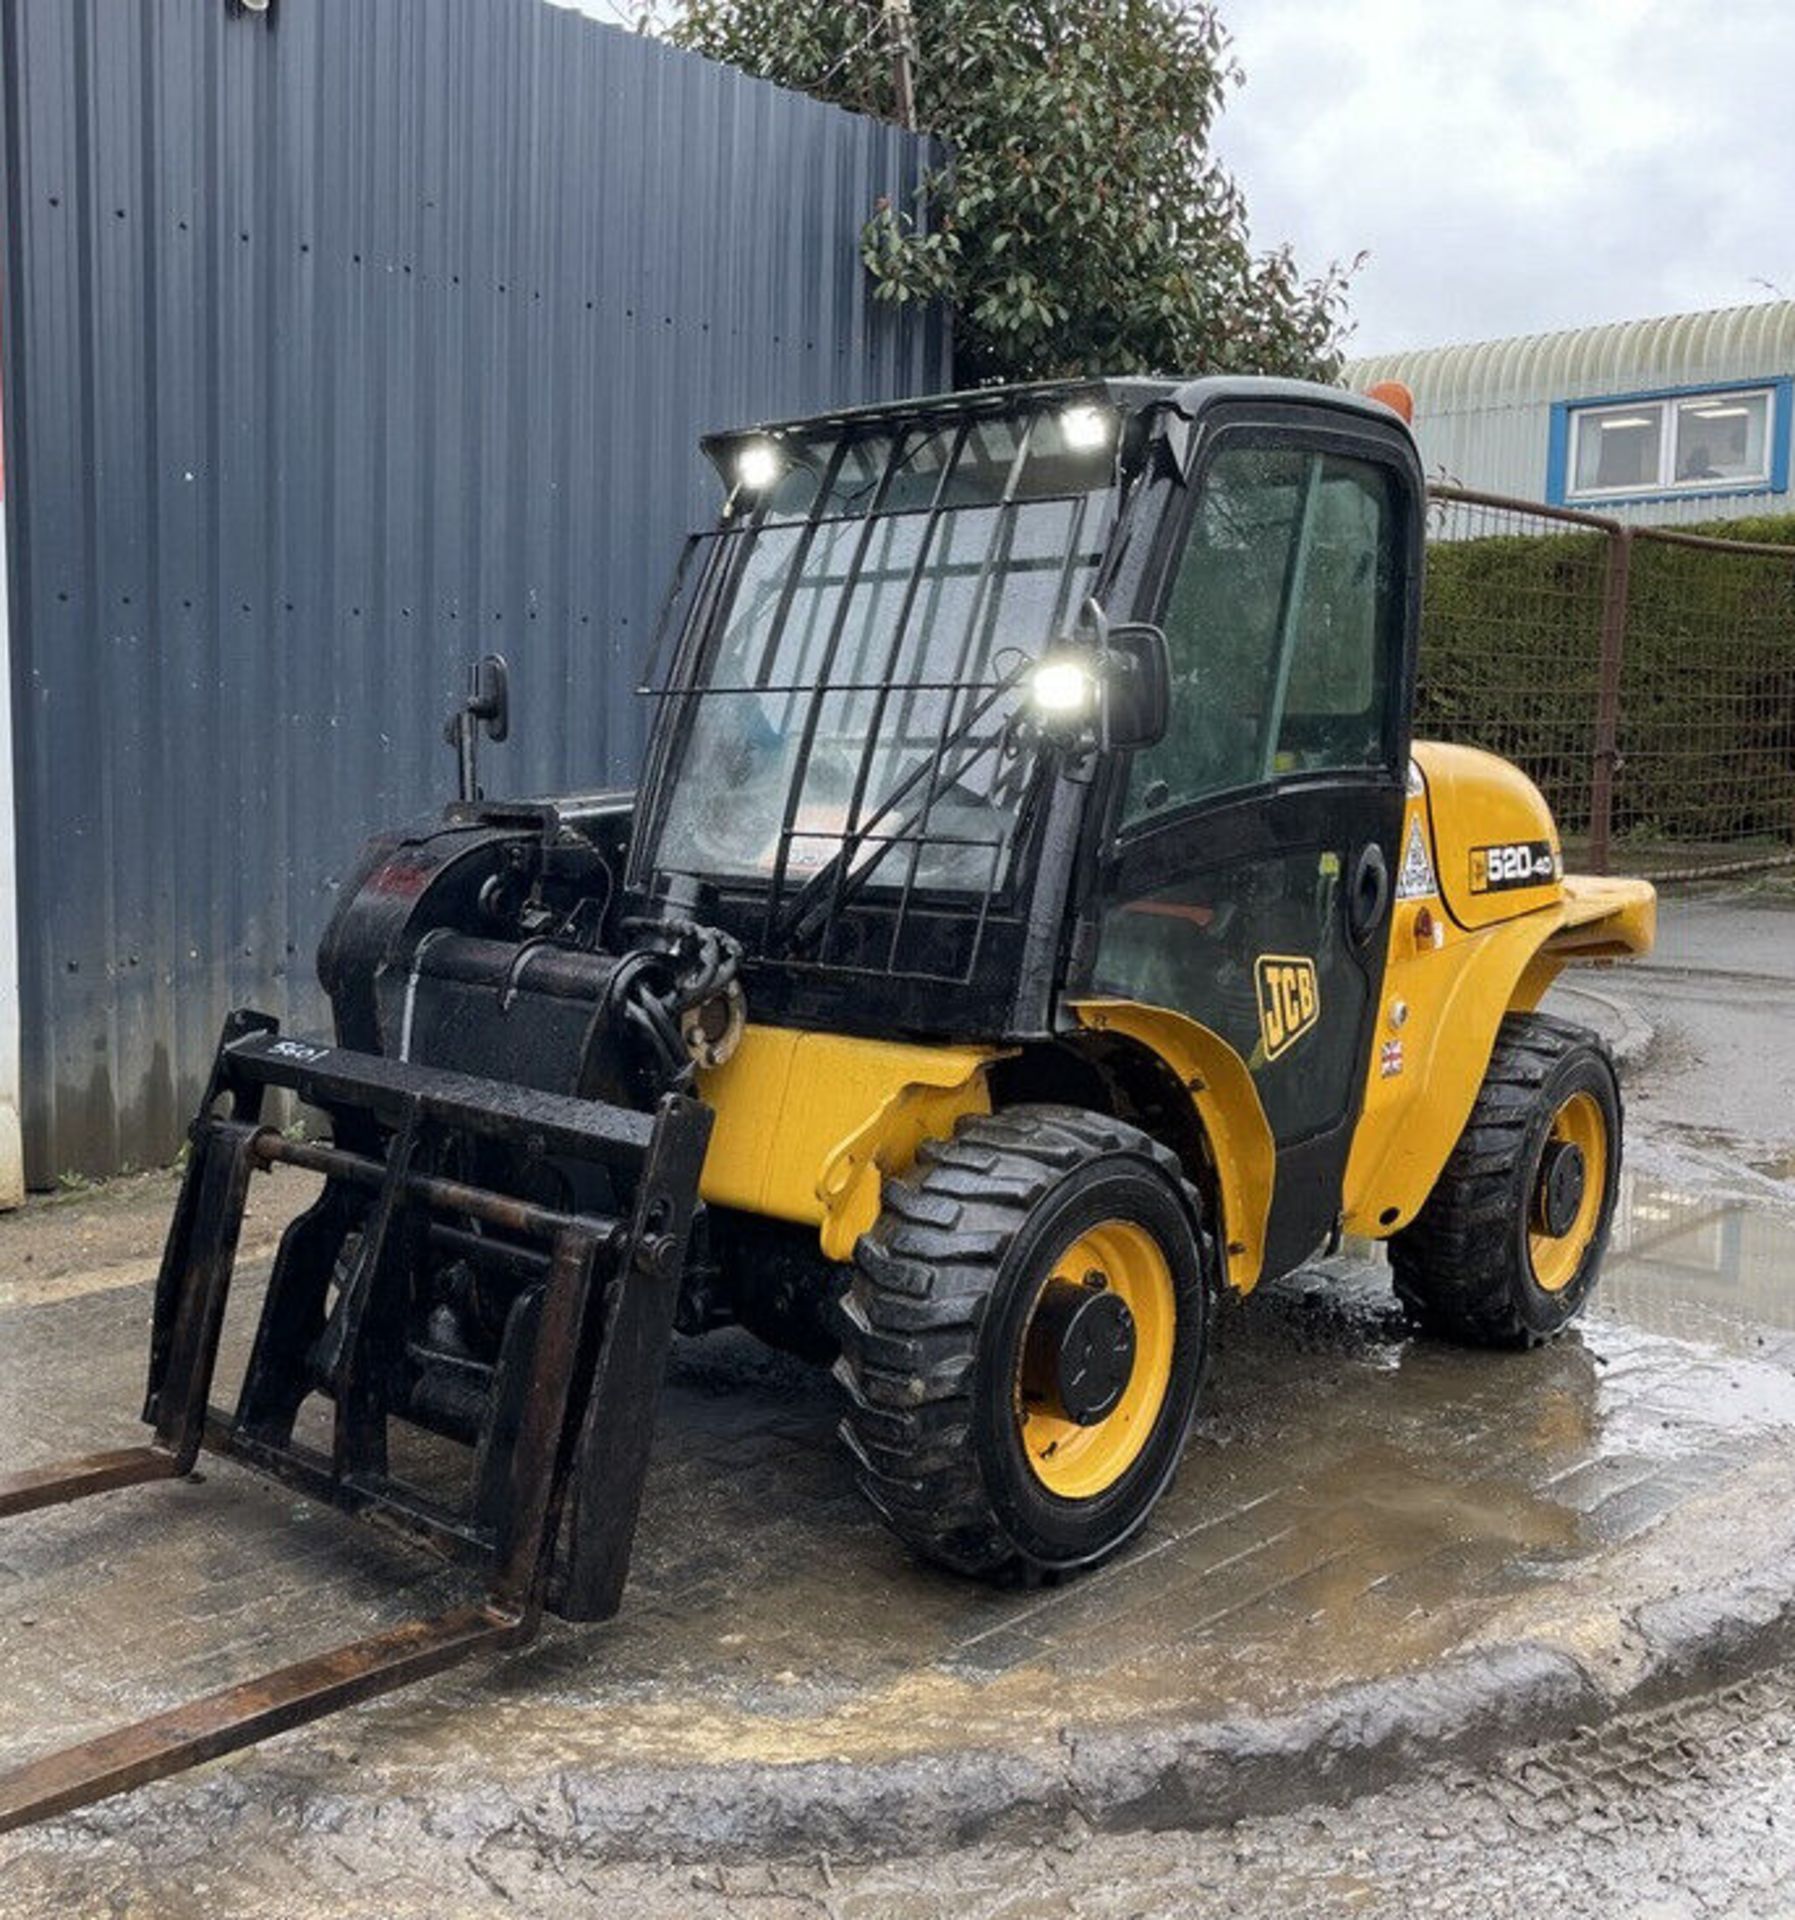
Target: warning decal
x,y
1416,880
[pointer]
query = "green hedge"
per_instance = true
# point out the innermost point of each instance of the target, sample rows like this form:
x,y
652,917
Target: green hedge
x,y
1510,649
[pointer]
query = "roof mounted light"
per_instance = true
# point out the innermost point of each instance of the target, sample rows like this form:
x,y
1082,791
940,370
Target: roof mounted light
x,y
758,464
1087,428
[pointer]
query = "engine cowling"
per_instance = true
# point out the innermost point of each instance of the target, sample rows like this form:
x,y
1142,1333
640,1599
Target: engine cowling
x,y
1495,843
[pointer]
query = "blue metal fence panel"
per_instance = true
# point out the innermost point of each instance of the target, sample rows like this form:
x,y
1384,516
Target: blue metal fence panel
x,y
343,343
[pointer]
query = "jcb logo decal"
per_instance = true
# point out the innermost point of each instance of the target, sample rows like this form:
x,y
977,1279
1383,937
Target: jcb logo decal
x,y
1520,863
1289,1000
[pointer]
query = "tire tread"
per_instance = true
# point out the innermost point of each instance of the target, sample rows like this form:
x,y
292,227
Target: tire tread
x,y
910,1320
1452,1266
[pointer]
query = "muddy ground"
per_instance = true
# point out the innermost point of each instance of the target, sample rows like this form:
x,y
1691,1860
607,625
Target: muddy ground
x,y
1461,1552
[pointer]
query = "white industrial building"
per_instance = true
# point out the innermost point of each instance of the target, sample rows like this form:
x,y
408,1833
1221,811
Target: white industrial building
x,y
1684,418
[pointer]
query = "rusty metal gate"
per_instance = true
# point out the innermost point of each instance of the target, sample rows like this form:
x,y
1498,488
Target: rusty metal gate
x,y
1644,676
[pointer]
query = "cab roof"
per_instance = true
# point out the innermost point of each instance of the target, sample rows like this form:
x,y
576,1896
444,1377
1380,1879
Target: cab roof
x,y
1128,395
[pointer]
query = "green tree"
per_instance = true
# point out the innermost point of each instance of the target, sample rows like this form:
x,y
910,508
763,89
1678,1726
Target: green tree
x,y
1082,224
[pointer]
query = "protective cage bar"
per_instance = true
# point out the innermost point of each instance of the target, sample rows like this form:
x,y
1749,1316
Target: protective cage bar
x,y
877,851
583,1411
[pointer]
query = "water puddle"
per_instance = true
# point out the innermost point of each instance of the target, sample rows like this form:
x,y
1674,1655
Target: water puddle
x,y
1697,1266
1355,1501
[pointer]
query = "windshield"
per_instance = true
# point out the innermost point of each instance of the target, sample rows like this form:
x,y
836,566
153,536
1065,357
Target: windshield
x,y
868,618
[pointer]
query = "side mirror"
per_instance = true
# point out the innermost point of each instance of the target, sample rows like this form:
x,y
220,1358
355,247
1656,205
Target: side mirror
x,y
487,709
1137,674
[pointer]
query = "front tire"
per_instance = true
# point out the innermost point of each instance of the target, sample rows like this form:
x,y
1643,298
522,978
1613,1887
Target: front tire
x,y
1507,1249
1024,1340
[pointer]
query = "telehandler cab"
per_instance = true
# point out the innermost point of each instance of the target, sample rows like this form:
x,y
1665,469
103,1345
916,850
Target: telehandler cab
x,y
1034,920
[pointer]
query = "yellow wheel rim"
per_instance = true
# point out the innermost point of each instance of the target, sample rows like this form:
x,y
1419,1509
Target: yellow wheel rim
x,y
1078,1462
1555,1258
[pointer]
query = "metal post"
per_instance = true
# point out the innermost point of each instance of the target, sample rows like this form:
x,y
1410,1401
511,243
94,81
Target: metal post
x,y
901,38
1613,649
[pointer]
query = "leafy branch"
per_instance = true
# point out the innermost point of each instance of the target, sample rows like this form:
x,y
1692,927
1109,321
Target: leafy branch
x,y
1082,223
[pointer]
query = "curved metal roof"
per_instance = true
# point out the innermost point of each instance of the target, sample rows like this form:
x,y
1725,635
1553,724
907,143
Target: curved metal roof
x,y
1728,343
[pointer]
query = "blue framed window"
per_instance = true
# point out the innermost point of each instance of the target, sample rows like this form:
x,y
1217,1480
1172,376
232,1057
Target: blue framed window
x,y
1676,444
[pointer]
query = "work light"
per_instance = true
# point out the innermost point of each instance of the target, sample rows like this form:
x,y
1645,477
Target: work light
x,y
758,465
1086,428
1061,688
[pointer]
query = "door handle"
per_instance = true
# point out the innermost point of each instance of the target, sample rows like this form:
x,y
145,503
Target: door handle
x,y
1368,897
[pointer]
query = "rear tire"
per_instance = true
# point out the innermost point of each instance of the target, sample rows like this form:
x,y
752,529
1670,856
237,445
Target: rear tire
x,y
1507,1249
962,1449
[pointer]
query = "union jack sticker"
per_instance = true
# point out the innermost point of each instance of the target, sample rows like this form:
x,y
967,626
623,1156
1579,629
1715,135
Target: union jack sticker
x,y
1389,1059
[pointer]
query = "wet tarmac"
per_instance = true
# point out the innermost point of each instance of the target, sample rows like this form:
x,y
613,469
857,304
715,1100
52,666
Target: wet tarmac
x,y
1357,1507
1355,1504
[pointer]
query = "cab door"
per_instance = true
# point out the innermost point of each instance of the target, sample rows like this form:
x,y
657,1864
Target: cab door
x,y
1248,882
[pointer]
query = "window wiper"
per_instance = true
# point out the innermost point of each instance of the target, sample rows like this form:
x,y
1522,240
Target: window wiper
x,y
842,876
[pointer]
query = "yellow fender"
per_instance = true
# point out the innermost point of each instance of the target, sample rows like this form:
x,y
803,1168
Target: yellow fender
x,y
1227,1102
1449,1002
1445,995
1466,948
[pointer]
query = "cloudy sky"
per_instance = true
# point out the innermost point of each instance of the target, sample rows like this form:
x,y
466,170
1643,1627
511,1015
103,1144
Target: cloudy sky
x,y
1517,165
1512,165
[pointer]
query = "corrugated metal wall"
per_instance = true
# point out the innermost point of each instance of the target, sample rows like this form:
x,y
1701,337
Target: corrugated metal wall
x,y
344,343
1483,413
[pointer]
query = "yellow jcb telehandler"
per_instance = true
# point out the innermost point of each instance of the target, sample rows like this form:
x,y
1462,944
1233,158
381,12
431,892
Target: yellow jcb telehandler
x,y
1034,920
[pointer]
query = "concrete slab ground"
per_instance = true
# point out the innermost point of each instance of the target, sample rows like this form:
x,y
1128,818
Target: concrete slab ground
x,y
1381,1551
